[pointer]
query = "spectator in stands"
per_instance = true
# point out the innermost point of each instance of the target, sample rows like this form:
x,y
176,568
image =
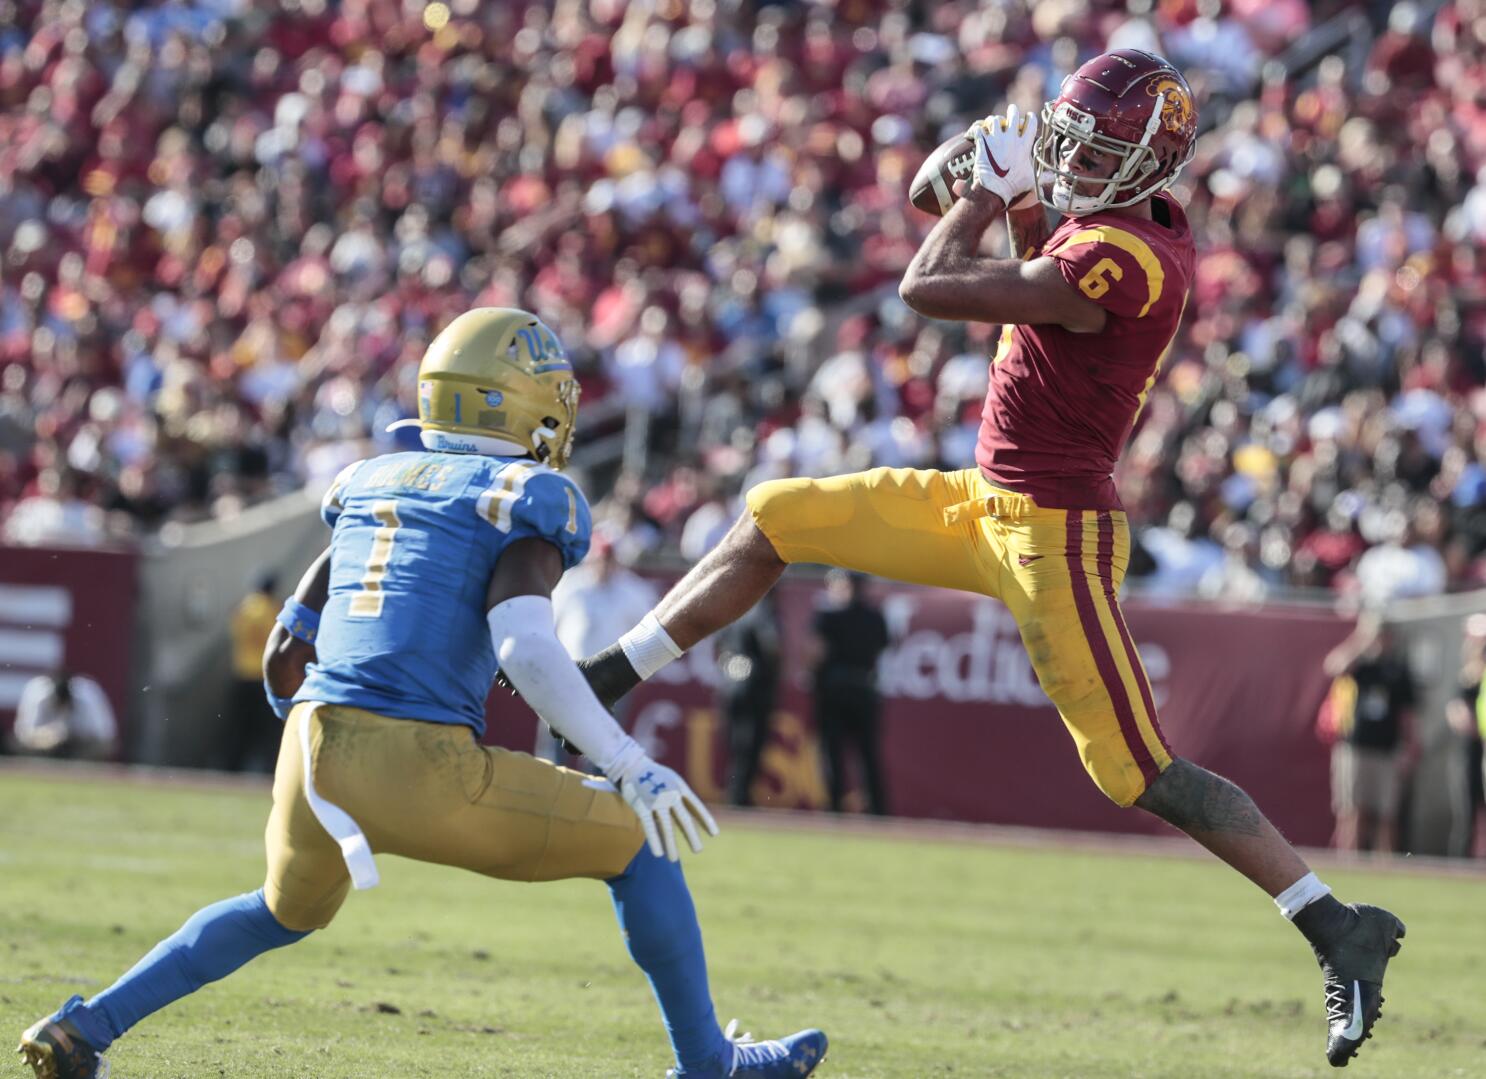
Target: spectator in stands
x,y
1179,555
1241,577
748,661
67,716
1369,718
226,234
849,633
57,514
253,730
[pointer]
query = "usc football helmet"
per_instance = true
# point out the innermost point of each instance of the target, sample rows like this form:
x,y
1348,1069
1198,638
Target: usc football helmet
x,y
497,381
1121,129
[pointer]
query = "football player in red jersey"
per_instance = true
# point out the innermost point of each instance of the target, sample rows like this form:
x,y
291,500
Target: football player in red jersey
x,y
1088,310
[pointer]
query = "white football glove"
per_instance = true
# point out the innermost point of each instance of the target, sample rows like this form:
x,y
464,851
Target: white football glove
x,y
657,794
1003,156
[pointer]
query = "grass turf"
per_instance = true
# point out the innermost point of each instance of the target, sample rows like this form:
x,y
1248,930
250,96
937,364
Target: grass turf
x,y
918,958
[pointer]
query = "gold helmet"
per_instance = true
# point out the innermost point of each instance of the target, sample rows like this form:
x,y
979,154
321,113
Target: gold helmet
x,y
498,374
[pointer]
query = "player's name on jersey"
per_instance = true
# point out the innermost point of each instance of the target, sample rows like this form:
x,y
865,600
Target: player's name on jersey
x,y
423,476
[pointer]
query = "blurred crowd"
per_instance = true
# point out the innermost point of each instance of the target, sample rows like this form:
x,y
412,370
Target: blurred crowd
x,y
228,231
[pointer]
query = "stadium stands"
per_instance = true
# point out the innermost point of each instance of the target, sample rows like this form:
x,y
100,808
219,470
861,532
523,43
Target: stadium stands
x,y
227,231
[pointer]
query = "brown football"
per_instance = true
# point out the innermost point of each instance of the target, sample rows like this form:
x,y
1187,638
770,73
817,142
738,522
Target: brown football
x,y
933,187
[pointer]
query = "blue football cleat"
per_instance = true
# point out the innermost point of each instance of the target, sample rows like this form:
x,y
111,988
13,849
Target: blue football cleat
x,y
788,1058
56,1050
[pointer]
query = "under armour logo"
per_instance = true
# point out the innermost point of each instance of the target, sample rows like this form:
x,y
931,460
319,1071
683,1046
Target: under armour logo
x,y
655,787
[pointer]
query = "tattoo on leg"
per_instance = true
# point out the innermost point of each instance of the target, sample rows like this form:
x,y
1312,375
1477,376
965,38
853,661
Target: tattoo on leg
x,y
1195,800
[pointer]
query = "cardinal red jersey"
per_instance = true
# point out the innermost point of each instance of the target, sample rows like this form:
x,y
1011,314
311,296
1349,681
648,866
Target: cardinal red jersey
x,y
1061,404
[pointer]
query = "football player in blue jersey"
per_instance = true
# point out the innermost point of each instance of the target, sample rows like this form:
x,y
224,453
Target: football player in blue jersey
x,y
439,572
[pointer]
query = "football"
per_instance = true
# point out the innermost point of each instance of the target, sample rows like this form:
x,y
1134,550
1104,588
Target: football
x,y
933,188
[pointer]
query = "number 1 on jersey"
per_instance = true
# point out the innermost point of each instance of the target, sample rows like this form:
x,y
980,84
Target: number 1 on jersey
x,y
368,602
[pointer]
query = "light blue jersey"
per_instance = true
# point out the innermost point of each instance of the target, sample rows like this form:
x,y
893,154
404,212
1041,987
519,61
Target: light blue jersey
x,y
416,536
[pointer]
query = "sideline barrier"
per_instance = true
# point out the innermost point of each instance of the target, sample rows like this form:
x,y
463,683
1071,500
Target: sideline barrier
x,y
967,733
191,579
72,607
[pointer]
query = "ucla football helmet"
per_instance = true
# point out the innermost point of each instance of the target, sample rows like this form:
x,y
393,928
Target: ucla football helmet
x,y
497,381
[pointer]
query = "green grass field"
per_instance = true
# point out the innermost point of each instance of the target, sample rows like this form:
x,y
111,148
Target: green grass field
x,y
918,957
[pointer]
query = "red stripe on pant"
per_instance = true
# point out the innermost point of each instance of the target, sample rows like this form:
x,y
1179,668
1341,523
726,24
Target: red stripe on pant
x,y
1088,616
1106,576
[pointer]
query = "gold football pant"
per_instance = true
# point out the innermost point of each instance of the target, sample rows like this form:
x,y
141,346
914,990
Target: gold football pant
x,y
429,791
1057,571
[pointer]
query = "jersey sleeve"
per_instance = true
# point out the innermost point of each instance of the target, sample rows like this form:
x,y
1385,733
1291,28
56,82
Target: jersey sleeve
x,y
532,501
1113,267
333,502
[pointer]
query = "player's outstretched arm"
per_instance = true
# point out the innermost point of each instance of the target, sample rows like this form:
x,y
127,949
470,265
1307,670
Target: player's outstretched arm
x,y
539,668
291,644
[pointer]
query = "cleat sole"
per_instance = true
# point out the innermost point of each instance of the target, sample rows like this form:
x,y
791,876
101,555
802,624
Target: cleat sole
x,y
39,1058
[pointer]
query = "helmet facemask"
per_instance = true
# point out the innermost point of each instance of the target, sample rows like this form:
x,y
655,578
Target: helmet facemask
x,y
1068,137
552,442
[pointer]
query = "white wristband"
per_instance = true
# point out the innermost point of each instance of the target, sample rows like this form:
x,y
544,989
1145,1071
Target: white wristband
x,y
544,674
648,647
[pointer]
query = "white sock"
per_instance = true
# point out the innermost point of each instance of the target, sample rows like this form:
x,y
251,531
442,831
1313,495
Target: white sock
x,y
649,647
1300,895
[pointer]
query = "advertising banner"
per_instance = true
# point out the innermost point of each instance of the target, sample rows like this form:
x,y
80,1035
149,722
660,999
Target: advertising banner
x,y
67,608
967,733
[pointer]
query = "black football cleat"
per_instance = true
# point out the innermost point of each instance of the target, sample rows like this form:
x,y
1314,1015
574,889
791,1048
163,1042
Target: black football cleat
x,y
1353,967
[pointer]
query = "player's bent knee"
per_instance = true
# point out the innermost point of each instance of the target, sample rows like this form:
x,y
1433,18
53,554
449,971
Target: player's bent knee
x,y
1116,773
303,914
787,511
775,508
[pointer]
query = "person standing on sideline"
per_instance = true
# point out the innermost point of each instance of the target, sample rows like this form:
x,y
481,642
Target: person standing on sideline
x,y
1371,705
253,738
594,603
1466,714
64,715
747,687
850,633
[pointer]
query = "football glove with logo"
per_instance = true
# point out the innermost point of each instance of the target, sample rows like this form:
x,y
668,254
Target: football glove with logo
x,y
1003,156
661,799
